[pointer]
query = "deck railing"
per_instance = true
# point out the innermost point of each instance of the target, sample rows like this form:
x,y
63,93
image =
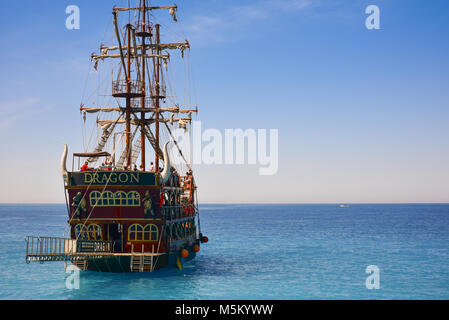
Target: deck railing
x,y
61,249
177,212
119,87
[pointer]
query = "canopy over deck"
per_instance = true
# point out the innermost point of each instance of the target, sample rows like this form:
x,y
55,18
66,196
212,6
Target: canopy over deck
x,y
92,155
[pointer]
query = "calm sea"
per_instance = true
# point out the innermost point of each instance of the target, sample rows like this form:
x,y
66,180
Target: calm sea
x,y
257,252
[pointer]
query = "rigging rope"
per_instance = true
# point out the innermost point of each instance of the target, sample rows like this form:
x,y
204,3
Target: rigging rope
x,y
124,155
177,146
85,193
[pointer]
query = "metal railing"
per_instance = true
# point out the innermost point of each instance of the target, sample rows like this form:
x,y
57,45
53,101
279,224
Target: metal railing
x,y
121,86
177,212
61,249
154,93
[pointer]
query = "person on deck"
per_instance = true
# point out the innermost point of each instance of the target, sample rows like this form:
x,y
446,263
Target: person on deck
x,y
85,167
152,167
108,164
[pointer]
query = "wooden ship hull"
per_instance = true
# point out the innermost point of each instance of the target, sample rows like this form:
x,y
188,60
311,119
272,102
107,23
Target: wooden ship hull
x,y
125,221
124,263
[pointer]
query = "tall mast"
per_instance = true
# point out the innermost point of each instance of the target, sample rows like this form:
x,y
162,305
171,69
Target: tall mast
x,y
131,90
142,117
128,102
158,41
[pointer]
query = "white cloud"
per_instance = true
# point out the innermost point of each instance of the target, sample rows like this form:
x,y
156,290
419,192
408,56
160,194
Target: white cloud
x,y
291,4
216,26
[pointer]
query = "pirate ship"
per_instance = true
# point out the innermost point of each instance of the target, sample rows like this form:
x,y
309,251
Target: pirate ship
x,y
124,217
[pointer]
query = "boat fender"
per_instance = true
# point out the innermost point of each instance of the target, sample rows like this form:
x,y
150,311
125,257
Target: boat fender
x,y
184,253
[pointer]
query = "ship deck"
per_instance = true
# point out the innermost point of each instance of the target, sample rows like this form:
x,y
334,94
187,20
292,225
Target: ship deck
x,y
42,249
85,256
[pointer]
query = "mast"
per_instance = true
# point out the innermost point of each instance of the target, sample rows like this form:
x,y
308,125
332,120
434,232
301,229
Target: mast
x,y
142,117
133,115
158,41
128,102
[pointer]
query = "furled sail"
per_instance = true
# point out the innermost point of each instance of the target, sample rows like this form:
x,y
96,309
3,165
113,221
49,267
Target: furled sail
x,y
117,56
102,109
135,152
173,14
170,120
112,109
162,46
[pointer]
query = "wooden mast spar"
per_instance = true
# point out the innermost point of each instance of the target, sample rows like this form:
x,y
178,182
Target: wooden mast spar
x,y
128,102
142,117
158,41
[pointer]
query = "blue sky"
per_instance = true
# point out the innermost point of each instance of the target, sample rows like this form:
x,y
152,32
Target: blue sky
x,y
362,114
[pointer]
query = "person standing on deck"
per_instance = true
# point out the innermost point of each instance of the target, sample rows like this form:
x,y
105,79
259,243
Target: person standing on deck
x,y
85,167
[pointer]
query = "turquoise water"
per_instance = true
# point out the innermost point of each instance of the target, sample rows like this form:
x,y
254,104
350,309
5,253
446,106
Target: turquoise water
x,y
257,252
